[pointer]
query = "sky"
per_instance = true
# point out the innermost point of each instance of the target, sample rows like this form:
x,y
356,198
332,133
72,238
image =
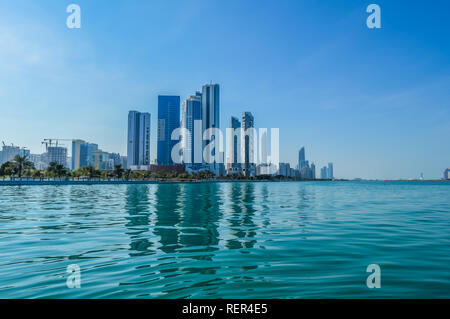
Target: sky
x,y
375,102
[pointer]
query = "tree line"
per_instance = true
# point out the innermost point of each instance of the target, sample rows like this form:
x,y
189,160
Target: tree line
x,y
22,167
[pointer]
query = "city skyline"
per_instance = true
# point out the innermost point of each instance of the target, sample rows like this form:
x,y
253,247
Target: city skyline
x,y
374,102
170,118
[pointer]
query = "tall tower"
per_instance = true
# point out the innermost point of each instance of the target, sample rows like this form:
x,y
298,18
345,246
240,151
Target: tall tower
x,y
211,115
248,122
301,158
82,153
168,121
330,171
138,146
233,162
191,111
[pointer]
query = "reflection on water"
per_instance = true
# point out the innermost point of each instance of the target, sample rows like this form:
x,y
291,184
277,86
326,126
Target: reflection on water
x,y
137,207
227,240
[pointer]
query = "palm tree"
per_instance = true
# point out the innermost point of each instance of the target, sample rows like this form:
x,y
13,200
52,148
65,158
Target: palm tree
x,y
118,170
92,172
57,170
127,174
22,163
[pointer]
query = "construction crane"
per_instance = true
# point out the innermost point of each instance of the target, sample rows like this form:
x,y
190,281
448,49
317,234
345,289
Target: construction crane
x,y
49,142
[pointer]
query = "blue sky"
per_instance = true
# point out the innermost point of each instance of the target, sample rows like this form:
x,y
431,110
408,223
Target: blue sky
x,y
376,103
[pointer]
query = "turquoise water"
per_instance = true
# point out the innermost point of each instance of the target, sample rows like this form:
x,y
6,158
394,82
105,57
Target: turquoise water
x,y
226,240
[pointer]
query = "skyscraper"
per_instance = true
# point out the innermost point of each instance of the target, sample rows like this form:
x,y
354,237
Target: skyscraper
x,y
284,169
233,162
82,153
9,152
138,146
446,173
324,173
247,141
191,110
330,171
211,115
168,121
301,158
57,154
313,171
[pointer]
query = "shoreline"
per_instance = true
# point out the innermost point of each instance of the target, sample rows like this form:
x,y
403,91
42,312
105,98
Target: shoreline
x,y
137,182
148,182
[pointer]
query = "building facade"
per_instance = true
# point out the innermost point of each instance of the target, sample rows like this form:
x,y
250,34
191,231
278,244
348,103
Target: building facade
x,y
211,117
8,153
234,148
324,173
57,154
284,169
191,111
330,171
248,145
301,158
168,121
138,144
82,154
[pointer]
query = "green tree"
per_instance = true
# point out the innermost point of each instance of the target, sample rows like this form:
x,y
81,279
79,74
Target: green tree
x,y
21,163
6,169
56,170
118,171
37,173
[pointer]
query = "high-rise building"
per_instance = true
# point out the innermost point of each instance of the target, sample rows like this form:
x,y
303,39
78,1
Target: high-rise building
x,y
301,158
38,161
105,161
446,173
168,121
83,153
138,146
191,111
305,171
123,161
330,171
10,151
234,162
313,171
324,173
211,116
247,144
57,154
284,169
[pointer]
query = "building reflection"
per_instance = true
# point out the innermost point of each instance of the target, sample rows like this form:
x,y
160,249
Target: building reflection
x,y
168,216
138,211
241,222
201,215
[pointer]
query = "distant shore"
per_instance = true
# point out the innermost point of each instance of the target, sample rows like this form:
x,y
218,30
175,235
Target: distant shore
x,y
24,182
30,182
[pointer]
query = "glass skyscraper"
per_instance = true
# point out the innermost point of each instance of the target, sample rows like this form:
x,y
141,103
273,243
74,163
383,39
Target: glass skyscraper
x,y
233,163
330,171
191,111
57,154
248,122
168,121
82,154
301,158
138,146
210,115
